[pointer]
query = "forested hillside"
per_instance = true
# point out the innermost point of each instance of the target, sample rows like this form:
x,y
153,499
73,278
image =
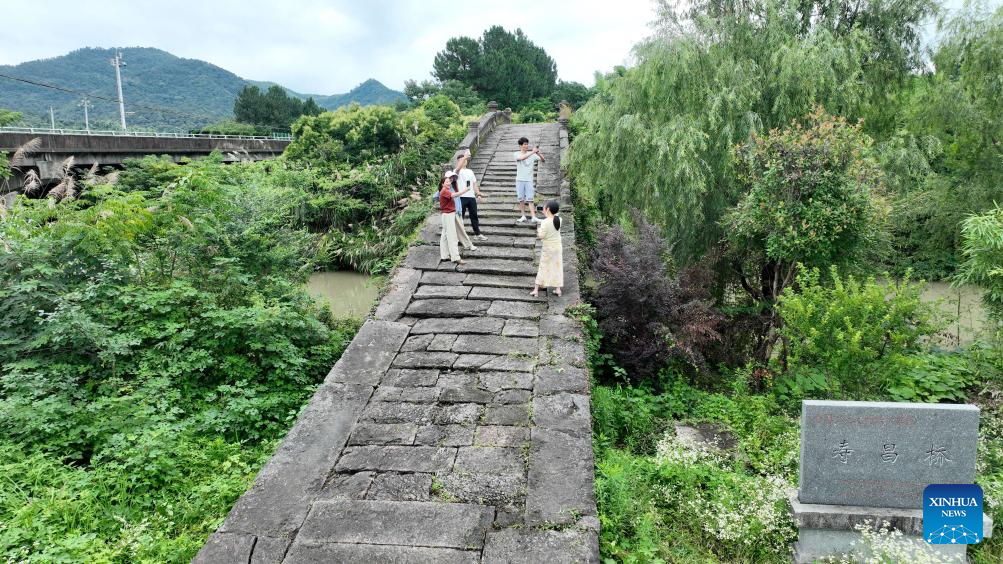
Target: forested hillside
x,y
162,90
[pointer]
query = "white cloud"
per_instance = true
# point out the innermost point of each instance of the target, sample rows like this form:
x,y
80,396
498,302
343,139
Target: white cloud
x,y
328,47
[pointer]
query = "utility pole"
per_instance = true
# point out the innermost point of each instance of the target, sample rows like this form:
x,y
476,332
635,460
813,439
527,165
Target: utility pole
x,y
87,123
118,64
52,119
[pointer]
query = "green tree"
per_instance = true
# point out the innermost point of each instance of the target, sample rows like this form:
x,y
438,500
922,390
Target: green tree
x,y
809,201
575,93
502,66
441,110
8,117
351,134
659,136
946,160
274,108
463,95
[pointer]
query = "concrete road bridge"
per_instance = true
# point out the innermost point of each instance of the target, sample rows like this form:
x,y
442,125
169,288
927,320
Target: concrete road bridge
x,y
115,147
455,428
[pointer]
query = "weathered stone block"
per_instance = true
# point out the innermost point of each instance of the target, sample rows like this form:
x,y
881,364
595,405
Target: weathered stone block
x,y
417,343
395,301
521,328
406,378
563,412
425,360
500,435
459,414
420,395
369,354
497,381
560,478
442,342
472,325
383,434
883,454
326,553
398,412
447,308
528,546
396,458
416,523
445,435
520,310
554,379
497,460
511,294
442,278
506,415
511,397
428,291
464,394
347,486
226,548
494,344
401,487
489,488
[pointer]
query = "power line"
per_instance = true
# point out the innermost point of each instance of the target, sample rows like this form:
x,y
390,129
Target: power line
x,y
106,99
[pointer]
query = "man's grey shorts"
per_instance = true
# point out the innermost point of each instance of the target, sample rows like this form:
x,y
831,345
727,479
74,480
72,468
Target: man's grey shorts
x,y
524,190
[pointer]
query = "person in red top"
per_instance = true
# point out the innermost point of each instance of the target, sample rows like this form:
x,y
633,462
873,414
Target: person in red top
x,y
452,230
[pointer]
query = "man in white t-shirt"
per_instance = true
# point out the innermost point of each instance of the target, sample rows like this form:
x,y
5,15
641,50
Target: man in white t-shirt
x,y
467,180
524,162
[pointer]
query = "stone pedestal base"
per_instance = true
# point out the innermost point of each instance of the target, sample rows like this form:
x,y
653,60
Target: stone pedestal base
x,y
828,531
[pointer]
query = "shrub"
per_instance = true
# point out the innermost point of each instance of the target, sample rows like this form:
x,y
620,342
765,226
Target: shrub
x,y
441,110
351,134
646,316
982,247
851,339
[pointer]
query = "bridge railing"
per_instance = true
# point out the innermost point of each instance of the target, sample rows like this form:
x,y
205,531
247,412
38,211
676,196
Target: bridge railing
x,y
114,133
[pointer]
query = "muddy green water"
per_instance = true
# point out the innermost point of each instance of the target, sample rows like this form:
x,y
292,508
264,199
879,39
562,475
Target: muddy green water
x,y
963,303
349,294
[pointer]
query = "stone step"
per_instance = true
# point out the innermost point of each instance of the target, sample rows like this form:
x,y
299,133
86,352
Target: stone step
x,y
416,523
497,266
485,251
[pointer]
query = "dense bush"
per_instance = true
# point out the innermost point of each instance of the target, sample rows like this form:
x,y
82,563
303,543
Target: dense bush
x,y
154,343
648,317
351,134
849,339
982,248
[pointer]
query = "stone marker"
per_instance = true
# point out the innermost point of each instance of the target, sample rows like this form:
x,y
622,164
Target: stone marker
x,y
869,462
882,454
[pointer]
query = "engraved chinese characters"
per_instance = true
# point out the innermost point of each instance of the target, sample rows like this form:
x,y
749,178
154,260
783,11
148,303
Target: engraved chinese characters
x,y
883,454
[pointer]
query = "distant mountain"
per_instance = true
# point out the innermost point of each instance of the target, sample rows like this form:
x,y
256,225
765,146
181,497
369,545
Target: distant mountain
x,y
370,93
161,90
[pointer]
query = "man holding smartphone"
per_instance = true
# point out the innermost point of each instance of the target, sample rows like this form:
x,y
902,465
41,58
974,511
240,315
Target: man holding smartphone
x,y
467,183
524,163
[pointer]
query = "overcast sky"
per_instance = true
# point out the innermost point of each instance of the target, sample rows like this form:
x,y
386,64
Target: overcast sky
x,y
328,47
319,47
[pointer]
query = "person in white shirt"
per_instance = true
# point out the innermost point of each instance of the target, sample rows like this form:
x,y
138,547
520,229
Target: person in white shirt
x,y
467,180
524,161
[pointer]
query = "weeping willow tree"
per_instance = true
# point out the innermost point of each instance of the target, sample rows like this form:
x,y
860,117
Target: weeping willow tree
x,y
946,160
659,136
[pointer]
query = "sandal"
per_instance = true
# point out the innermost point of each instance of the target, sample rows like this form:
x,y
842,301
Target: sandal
x,y
535,294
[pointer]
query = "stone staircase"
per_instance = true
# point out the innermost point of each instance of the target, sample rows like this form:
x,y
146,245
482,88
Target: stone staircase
x,y
456,426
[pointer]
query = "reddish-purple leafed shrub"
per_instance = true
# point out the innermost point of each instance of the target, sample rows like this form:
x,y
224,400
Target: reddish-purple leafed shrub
x,y
647,316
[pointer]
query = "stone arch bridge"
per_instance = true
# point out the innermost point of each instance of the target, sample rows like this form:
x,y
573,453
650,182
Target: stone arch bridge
x,y
455,428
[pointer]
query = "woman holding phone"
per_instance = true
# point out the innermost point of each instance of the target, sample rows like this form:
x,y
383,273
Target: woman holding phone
x,y
452,229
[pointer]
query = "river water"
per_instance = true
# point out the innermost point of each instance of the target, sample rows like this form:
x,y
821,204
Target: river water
x,y
963,303
349,294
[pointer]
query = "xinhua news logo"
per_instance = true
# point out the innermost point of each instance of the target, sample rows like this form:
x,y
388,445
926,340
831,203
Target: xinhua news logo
x,y
952,514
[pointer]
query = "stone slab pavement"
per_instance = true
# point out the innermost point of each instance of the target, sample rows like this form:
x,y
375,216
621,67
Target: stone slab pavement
x,y
456,426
